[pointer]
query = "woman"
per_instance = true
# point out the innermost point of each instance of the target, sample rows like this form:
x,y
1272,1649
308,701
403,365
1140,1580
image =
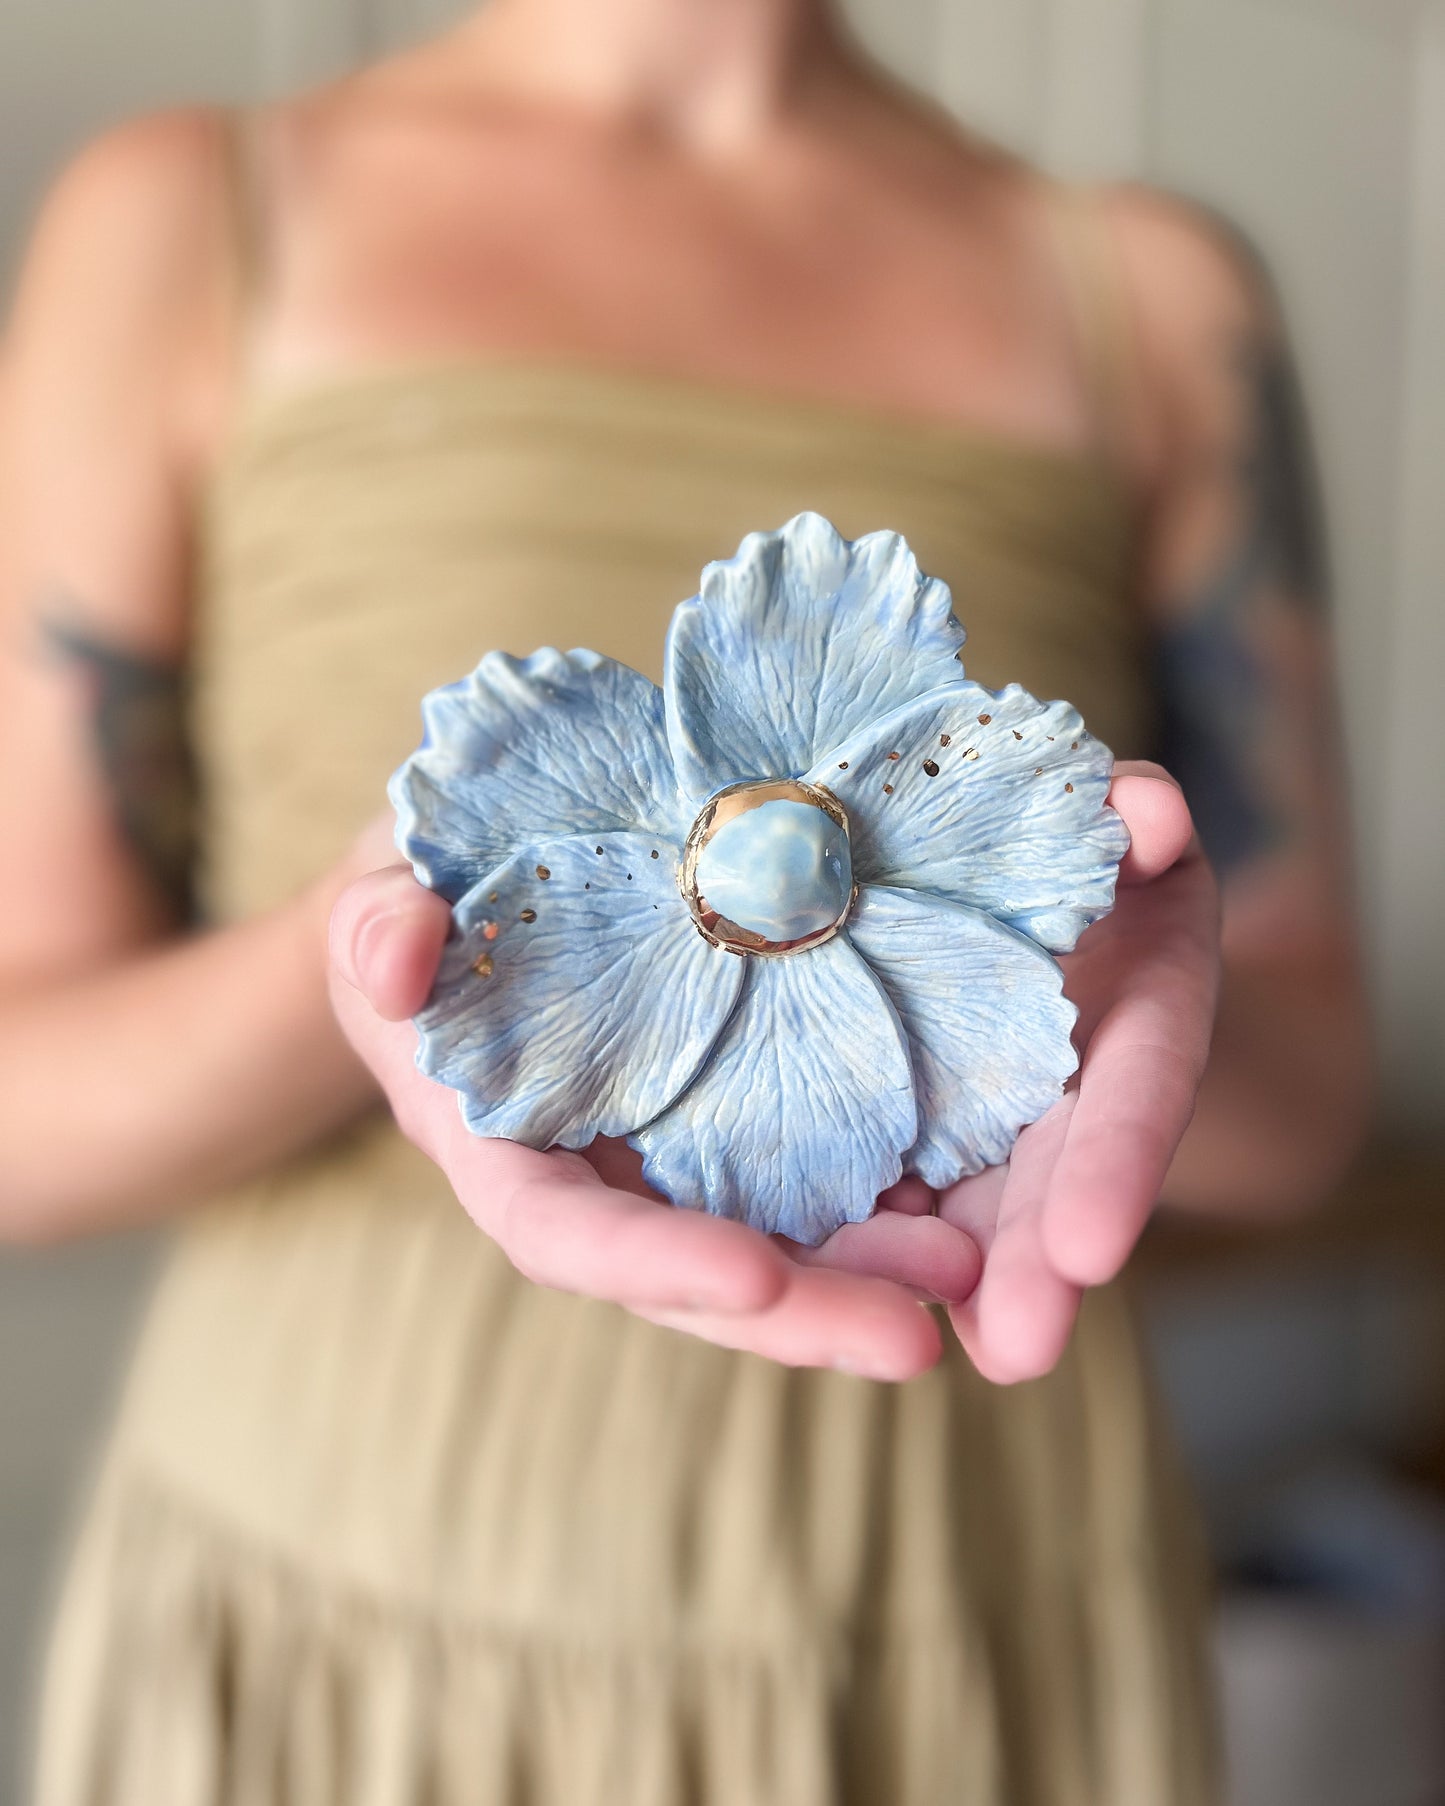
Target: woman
x,y
495,344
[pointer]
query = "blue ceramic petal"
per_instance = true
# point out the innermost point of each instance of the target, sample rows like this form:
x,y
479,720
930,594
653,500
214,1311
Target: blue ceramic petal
x,y
995,800
794,644
575,998
528,749
987,1023
805,1109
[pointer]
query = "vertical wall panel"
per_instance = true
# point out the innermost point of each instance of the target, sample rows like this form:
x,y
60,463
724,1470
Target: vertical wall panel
x,y
1410,844
301,41
67,70
989,67
1299,123
1095,87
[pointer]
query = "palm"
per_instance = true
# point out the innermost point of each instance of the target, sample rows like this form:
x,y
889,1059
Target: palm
x,y
1063,1213
1067,1209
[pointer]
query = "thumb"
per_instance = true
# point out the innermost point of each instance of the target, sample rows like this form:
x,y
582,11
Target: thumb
x,y
386,936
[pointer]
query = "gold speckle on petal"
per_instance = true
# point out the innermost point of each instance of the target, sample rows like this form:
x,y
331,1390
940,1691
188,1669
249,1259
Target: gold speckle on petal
x,y
491,896
945,739
842,764
489,931
1073,746
654,852
543,872
970,752
1017,734
887,790
984,720
894,755
1068,789
482,965
930,768
1038,771
599,850
529,915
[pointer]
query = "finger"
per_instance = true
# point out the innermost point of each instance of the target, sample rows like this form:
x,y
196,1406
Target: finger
x,y
619,1166
1021,1332
1140,1076
911,1197
560,1226
1018,1322
387,933
973,1205
866,1327
924,1253
1157,817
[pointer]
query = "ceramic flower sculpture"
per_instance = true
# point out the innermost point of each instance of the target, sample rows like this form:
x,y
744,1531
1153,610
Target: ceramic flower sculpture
x,y
788,923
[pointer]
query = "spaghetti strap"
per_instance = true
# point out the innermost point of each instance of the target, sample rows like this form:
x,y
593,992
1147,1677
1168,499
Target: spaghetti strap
x,y
249,216
1098,308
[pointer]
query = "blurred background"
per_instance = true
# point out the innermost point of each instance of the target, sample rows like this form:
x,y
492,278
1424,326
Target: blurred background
x,y
1305,1370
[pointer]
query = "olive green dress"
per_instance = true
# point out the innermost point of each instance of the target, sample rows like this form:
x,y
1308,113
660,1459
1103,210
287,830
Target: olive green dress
x,y
381,1524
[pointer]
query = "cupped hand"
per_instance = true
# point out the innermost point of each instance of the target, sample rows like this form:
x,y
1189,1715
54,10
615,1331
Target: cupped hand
x,y
1065,1212
587,1223
1045,1225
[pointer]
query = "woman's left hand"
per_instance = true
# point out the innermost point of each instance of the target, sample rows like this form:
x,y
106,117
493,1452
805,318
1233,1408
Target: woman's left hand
x,y
1067,1209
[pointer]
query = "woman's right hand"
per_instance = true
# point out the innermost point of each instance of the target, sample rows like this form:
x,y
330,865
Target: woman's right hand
x,y
587,1223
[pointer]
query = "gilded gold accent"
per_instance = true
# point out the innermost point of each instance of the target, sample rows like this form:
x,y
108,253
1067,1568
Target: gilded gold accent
x,y
726,806
482,965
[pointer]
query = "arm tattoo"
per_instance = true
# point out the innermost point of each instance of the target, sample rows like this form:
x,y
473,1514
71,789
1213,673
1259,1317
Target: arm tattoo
x,y
1213,670
137,719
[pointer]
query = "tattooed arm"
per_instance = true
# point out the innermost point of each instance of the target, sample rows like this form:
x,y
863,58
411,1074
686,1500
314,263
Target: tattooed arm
x,y
140,1066
1235,582
134,709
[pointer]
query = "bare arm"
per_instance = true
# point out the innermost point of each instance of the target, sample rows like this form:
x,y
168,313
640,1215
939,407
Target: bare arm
x,y
141,1064
1236,586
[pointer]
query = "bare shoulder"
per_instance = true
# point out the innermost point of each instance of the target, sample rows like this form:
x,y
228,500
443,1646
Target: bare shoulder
x,y
1190,268
1204,314
109,368
1195,280
123,299
139,200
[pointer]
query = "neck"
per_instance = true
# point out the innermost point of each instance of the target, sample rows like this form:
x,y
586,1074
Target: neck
x,y
710,73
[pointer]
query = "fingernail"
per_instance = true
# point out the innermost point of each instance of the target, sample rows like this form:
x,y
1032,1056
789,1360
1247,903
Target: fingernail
x,y
364,942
